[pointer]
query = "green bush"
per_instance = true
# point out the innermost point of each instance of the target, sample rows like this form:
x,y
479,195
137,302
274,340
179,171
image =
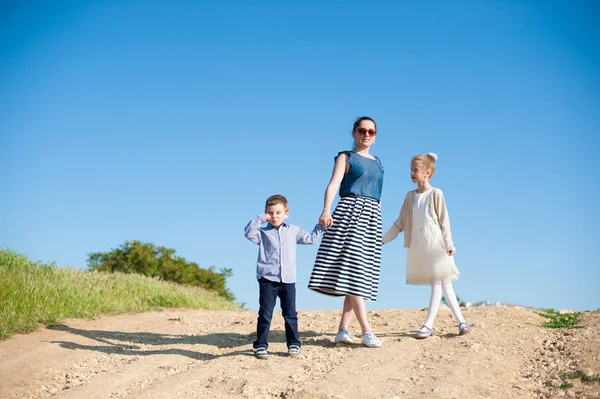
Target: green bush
x,y
149,260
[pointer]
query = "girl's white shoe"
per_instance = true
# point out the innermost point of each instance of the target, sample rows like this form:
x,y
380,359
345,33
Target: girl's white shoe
x,y
464,328
424,332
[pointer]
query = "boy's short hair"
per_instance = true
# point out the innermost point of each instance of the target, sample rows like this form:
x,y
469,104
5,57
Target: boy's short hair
x,y
276,199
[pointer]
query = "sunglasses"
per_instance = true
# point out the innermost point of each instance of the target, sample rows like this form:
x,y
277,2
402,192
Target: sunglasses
x,y
363,131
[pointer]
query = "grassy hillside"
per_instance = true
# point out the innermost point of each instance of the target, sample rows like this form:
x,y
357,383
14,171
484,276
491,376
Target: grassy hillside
x,y
32,294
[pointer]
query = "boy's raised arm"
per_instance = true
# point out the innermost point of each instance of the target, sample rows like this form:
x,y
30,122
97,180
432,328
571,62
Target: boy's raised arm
x,y
252,229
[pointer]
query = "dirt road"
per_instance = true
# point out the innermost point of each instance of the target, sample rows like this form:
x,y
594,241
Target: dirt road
x,y
207,354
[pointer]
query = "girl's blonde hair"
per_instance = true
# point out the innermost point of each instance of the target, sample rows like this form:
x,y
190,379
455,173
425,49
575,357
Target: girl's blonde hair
x,y
427,161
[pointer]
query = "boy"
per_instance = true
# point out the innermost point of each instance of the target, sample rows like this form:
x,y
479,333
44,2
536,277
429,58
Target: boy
x,y
276,271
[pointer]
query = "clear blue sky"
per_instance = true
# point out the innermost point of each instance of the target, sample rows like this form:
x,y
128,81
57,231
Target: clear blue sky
x,y
172,122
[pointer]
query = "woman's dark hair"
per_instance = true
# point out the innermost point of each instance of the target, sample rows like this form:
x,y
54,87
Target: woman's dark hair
x,y
362,118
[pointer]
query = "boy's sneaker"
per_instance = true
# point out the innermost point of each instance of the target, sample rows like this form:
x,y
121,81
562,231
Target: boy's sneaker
x,y
261,353
343,337
370,340
293,350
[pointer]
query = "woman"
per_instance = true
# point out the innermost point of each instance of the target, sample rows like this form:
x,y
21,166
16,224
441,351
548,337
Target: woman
x,y
349,257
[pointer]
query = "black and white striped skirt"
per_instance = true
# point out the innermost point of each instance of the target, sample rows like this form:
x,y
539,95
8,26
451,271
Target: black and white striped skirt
x,y
349,257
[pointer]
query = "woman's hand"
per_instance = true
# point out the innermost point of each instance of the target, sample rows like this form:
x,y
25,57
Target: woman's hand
x,y
325,219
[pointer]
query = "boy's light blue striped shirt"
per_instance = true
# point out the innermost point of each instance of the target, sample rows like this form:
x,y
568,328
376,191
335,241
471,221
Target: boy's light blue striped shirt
x,y
277,247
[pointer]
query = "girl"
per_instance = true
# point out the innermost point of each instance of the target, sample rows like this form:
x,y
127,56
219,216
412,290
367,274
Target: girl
x,y
429,258
349,256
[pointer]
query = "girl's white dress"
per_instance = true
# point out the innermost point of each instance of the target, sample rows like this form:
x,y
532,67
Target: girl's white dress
x,y
427,259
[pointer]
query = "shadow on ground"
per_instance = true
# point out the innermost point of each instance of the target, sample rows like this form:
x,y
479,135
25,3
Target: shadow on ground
x,y
132,343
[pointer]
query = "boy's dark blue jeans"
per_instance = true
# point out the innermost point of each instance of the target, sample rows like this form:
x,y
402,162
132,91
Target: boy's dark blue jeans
x,y
269,291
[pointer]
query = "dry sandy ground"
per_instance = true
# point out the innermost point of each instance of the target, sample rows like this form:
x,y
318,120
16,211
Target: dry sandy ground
x,y
206,354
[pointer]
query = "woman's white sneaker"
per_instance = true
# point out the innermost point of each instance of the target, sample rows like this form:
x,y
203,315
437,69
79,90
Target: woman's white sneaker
x,y
369,339
343,337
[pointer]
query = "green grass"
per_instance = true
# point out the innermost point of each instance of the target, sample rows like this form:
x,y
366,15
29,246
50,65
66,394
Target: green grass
x,y
566,385
34,293
578,375
572,375
557,320
591,378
